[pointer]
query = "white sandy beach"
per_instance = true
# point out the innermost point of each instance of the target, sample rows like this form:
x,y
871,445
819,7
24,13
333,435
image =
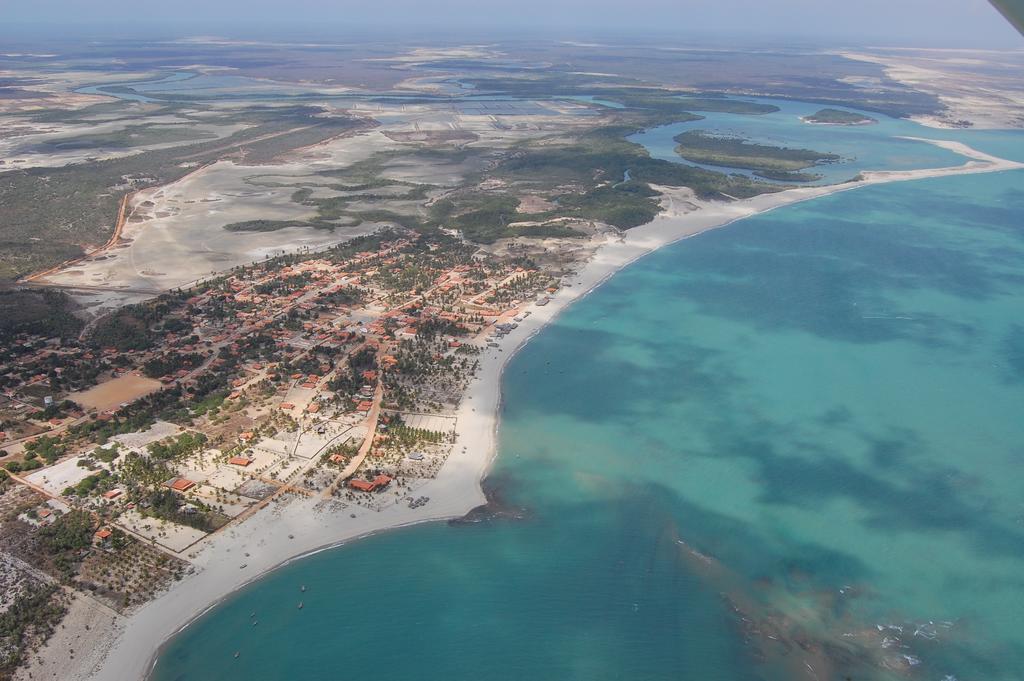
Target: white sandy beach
x,y
296,527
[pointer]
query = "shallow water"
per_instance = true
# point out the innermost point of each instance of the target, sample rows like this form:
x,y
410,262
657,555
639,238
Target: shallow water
x,y
792,443
875,146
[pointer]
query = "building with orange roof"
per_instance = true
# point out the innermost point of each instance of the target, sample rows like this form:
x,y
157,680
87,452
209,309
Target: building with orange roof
x,y
379,482
361,485
239,461
181,484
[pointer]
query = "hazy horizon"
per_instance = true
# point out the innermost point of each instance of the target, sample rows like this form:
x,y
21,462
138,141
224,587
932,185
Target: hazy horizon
x,y
925,23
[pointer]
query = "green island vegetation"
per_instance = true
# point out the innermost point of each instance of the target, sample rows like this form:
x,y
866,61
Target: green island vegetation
x,y
838,117
674,103
601,160
780,163
274,225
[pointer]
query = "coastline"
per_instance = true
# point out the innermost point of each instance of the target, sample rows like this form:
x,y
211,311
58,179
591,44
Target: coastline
x,y
287,532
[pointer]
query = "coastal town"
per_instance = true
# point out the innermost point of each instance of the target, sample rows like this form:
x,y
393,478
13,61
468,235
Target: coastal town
x,y
333,377
317,395
259,301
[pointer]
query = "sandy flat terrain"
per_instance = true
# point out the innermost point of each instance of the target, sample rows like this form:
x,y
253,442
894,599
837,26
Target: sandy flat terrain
x,y
77,644
158,431
981,87
175,233
37,145
113,393
171,536
55,479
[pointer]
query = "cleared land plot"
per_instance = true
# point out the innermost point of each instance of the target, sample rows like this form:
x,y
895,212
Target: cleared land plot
x,y
226,477
286,468
274,447
434,422
170,535
56,478
158,431
311,443
117,391
256,489
228,503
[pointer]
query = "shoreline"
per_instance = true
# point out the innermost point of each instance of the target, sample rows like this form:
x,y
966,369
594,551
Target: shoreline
x,y
284,533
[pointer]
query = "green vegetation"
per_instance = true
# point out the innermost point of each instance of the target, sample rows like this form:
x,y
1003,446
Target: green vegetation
x,y
735,152
126,138
66,539
171,362
838,117
486,217
86,485
132,327
181,446
168,505
786,176
48,448
602,158
107,454
408,436
42,312
670,103
272,225
33,615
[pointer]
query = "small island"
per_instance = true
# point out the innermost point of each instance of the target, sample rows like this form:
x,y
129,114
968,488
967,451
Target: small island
x,y
781,164
838,117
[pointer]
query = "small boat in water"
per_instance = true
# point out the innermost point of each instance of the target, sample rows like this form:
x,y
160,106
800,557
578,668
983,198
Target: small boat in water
x,y
300,605
303,589
237,654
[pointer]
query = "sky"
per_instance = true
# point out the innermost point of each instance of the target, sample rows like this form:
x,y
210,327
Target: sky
x,y
938,23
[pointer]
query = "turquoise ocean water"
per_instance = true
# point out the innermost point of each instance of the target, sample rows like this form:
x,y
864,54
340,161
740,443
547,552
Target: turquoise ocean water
x,y
792,444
